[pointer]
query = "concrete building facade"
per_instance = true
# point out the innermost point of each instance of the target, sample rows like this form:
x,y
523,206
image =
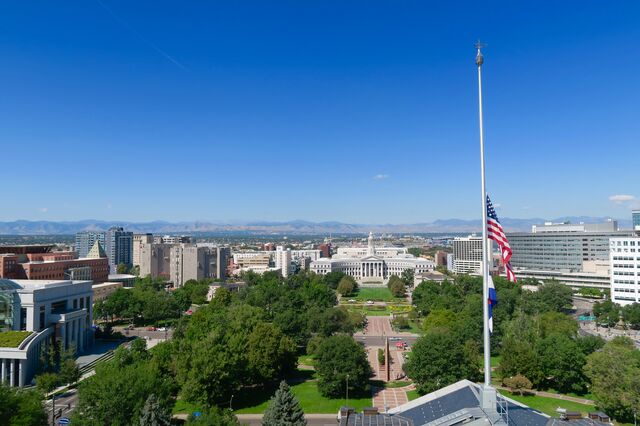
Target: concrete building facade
x,y
624,258
467,255
372,265
52,311
562,247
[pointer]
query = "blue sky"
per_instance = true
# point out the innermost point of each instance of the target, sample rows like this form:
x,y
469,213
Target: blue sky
x,y
331,110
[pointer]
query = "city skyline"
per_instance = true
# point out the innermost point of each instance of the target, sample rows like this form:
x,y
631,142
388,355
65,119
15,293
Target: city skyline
x,y
319,112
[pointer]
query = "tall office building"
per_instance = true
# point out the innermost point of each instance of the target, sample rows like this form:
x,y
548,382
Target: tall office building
x,y
119,247
625,269
467,255
155,260
635,220
86,239
138,241
562,246
195,262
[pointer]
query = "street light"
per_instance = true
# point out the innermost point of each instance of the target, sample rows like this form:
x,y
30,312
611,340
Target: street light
x,y
231,402
347,390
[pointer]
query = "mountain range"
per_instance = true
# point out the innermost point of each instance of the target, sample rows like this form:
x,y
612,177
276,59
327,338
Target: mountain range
x,y
24,227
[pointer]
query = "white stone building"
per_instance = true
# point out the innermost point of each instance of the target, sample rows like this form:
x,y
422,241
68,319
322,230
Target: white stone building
x,y
371,265
51,311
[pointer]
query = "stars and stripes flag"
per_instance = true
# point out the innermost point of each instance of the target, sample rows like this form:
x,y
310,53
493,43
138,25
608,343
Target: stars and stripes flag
x,y
496,233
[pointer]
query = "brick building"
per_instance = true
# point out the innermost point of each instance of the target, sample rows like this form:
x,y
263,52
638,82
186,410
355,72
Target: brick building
x,y
39,262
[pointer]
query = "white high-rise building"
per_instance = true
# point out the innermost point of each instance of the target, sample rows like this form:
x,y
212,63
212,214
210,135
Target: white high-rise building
x,y
624,258
283,260
467,255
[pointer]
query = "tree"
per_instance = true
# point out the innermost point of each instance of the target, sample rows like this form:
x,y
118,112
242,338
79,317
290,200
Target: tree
x,y
440,318
117,393
69,371
416,251
631,315
270,354
154,414
396,286
518,384
21,407
346,286
332,279
47,382
381,356
407,277
606,312
337,357
283,409
122,268
438,359
614,373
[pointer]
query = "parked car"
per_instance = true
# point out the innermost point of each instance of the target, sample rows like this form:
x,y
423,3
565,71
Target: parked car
x,y
151,329
369,302
162,329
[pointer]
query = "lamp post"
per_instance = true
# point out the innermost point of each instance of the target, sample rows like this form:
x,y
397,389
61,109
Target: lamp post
x,y
347,390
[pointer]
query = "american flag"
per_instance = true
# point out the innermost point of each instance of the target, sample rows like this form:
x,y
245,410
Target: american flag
x,y
496,233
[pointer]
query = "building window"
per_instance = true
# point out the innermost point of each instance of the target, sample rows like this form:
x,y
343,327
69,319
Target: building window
x,y
42,314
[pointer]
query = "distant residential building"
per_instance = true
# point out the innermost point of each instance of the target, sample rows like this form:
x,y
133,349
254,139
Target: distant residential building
x,y
371,264
624,258
283,260
450,261
155,260
562,246
635,220
104,290
325,249
269,247
197,262
85,240
440,258
53,311
304,263
173,239
138,241
117,243
119,247
38,262
467,255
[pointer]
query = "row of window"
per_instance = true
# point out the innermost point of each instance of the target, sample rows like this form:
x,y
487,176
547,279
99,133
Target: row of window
x,y
624,290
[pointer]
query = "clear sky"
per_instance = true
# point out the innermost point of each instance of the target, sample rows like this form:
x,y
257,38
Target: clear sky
x,y
357,111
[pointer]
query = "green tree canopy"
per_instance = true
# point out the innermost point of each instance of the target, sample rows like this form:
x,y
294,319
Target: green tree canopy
x,y
439,359
337,357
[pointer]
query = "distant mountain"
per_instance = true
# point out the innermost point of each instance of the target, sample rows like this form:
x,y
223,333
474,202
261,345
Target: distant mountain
x,y
24,227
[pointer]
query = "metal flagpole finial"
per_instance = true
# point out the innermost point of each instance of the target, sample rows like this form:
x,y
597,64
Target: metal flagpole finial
x,y
479,58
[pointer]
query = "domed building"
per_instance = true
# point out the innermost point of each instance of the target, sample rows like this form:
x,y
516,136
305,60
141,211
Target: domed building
x,y
372,265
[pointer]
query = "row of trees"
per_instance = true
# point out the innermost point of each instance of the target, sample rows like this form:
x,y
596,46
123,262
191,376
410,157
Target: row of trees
x,y
149,302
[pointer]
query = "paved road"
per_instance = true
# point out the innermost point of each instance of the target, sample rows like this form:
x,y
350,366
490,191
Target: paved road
x,y
65,404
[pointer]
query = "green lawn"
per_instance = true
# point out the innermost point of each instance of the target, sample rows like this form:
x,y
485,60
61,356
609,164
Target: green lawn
x,y
12,339
495,361
304,387
306,360
309,397
413,395
376,294
549,405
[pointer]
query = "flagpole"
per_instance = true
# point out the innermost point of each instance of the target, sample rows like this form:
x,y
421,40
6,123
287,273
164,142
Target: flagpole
x,y
485,240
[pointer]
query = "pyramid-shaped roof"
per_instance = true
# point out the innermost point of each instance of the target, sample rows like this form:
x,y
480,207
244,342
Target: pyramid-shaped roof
x,y
96,251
